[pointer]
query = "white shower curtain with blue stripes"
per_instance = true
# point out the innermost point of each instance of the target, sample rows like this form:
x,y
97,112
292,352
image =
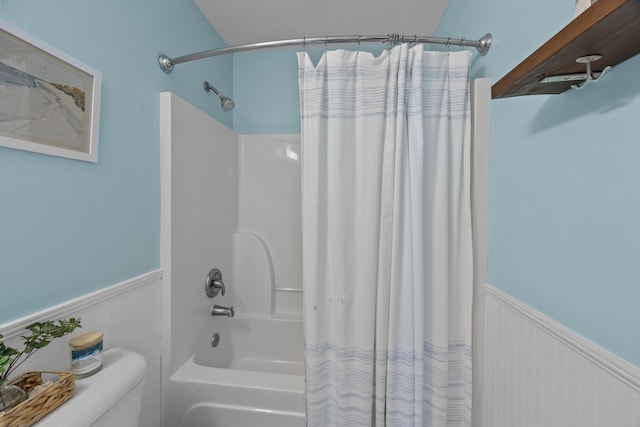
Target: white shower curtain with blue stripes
x,y
387,245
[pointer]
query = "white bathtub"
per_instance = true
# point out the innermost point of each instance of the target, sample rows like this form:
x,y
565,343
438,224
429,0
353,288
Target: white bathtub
x,y
254,377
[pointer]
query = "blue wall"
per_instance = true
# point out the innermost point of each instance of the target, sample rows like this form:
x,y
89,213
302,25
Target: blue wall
x,y
265,87
564,218
69,227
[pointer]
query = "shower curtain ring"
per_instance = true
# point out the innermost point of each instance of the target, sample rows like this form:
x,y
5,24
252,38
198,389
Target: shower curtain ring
x,y
394,39
461,42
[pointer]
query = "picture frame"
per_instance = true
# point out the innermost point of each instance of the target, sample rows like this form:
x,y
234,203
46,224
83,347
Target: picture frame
x,y
49,101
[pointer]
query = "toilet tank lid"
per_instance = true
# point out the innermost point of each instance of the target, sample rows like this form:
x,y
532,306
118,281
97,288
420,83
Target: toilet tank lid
x,y
122,370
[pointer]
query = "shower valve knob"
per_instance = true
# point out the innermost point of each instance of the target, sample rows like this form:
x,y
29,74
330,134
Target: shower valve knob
x,y
214,284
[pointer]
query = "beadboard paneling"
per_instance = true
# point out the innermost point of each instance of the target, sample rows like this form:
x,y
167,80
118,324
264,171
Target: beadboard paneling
x,y
129,315
541,374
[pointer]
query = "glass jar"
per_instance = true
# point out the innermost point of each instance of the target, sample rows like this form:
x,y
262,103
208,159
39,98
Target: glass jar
x,y
10,396
86,354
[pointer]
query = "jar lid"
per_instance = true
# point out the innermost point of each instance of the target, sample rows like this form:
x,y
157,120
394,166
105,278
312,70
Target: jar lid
x,y
87,339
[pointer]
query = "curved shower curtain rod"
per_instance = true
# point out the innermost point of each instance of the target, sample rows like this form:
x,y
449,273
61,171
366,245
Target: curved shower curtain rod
x,y
481,45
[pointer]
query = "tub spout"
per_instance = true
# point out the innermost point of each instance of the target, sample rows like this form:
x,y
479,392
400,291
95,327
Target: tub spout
x,y
218,310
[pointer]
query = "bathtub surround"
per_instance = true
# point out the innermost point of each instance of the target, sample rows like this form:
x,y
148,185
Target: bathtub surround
x,y
199,161
265,280
218,211
269,223
386,184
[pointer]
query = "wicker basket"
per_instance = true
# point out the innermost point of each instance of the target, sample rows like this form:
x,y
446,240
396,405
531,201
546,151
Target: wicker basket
x,y
33,409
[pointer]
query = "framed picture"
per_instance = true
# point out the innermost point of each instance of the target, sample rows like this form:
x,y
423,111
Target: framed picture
x,y
49,101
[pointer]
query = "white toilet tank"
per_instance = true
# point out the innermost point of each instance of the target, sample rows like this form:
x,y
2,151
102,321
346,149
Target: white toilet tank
x,y
109,398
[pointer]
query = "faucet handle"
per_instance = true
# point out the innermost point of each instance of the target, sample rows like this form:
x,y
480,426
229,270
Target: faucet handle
x,y
218,284
214,284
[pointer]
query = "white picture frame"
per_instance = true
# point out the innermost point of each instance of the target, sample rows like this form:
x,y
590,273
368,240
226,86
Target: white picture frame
x,y
49,101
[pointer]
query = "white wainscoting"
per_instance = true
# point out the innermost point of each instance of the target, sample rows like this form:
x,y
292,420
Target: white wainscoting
x,y
129,315
541,374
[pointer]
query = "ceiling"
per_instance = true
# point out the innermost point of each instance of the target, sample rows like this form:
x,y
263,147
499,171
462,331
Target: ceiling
x,y
251,21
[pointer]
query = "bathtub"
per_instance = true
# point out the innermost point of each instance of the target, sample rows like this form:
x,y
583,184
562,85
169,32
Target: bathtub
x,y
253,377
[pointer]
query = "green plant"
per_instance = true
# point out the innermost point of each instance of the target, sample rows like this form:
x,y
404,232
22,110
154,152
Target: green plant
x,y
42,333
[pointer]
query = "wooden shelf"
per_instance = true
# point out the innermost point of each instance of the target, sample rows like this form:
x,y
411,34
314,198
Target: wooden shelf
x,y
610,28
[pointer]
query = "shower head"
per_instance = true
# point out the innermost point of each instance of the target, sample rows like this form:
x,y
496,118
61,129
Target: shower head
x,y
226,103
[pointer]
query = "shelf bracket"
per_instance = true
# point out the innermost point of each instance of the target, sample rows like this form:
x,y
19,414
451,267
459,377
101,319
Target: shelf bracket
x,y
585,78
590,76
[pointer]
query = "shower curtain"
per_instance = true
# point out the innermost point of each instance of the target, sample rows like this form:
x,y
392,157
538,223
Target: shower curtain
x,y
387,245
